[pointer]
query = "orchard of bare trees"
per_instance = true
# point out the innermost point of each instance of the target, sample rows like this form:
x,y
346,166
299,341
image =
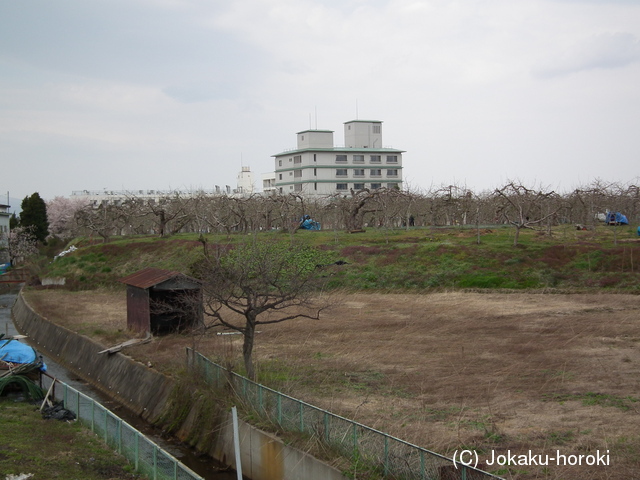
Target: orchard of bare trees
x,y
514,203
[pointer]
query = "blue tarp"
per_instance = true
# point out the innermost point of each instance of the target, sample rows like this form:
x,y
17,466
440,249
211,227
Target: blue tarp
x,y
307,223
15,352
617,218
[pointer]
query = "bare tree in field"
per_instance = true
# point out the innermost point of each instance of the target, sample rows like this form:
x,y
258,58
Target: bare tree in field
x,y
286,210
171,213
260,283
355,206
524,207
104,220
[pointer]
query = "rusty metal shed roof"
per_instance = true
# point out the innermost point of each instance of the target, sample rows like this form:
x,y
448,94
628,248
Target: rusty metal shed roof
x,y
149,277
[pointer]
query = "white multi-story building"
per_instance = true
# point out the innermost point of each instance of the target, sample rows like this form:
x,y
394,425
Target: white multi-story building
x,y
245,182
5,217
318,167
269,183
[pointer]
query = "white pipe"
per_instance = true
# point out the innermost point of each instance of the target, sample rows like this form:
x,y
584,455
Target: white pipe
x,y
236,441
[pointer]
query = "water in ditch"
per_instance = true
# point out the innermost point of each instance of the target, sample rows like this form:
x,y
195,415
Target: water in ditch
x,y
204,466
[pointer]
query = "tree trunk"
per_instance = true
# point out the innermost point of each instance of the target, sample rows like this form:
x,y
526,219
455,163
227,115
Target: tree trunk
x,y
247,347
516,236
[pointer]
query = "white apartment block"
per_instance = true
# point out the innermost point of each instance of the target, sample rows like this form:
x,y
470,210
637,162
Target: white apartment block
x,y
318,167
5,218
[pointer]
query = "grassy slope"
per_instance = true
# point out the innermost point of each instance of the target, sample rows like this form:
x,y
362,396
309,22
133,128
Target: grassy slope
x,y
402,260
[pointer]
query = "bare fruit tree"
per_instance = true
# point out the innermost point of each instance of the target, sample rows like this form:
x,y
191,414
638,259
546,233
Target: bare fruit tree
x,y
260,283
104,220
525,207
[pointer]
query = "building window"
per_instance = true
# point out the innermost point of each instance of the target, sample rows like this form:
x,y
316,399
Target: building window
x,y
298,187
392,159
392,172
279,163
341,172
302,137
315,172
358,172
375,159
297,174
315,185
280,176
358,186
375,172
377,128
341,186
341,159
314,157
297,159
291,174
358,159
376,186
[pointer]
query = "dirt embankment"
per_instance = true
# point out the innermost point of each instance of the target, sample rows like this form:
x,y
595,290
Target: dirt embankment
x,y
497,372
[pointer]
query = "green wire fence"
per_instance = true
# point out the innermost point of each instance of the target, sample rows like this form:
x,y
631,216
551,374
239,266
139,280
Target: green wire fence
x,y
147,457
391,457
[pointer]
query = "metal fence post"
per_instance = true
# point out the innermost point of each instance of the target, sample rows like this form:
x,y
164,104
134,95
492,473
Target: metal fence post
x,y
301,417
119,433
386,455
137,451
326,427
279,407
155,463
355,439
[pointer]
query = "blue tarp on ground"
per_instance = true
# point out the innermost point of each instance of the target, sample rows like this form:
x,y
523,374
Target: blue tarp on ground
x,y
617,218
307,223
15,352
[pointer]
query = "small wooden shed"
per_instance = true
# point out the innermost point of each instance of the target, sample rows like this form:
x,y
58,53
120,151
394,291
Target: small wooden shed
x,y
162,301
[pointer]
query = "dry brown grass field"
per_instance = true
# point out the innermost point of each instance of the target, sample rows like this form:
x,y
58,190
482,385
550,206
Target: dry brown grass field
x,y
497,372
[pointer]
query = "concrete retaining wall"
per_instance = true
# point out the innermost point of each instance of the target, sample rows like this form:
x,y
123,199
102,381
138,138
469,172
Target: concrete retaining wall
x,y
145,392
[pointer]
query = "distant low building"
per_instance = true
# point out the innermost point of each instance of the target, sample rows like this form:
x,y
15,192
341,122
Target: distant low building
x,y
318,167
245,187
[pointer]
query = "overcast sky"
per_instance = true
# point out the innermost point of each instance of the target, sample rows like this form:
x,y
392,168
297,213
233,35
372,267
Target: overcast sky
x,y
158,94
